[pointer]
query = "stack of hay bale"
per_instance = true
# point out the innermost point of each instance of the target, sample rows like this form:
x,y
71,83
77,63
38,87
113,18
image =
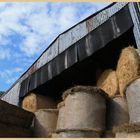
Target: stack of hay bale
x,y
124,94
128,73
117,113
32,102
14,121
109,110
45,111
82,113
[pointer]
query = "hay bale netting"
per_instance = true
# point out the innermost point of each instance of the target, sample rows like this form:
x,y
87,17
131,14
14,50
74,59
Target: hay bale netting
x,y
45,122
127,131
128,67
133,100
33,102
77,134
108,82
61,115
85,104
117,112
11,131
14,115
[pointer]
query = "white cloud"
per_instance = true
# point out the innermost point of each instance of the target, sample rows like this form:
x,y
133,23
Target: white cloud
x,y
38,22
67,17
32,26
4,54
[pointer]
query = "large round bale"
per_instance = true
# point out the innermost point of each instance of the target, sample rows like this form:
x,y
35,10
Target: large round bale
x,y
11,131
127,131
33,102
45,122
108,82
61,115
133,100
85,104
128,67
14,115
77,134
117,112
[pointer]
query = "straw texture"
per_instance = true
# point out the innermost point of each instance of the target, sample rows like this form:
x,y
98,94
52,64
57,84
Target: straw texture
x,y
108,82
128,67
33,102
85,89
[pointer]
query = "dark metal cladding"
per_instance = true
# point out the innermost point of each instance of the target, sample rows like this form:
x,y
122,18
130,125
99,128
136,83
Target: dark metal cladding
x,y
24,87
111,29
117,25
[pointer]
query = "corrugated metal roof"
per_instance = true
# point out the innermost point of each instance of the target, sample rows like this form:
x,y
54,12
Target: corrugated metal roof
x,y
66,49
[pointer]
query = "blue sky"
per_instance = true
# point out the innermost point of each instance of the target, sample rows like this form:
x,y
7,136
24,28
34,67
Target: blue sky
x,y
26,29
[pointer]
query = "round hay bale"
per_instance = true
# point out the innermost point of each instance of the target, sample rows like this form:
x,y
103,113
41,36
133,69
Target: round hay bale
x,y
12,114
86,102
117,112
77,134
61,115
128,67
127,131
108,82
33,102
11,131
45,122
133,100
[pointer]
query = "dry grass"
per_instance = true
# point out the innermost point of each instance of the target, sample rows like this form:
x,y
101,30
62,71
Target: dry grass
x,y
33,102
60,104
128,67
108,82
86,89
29,103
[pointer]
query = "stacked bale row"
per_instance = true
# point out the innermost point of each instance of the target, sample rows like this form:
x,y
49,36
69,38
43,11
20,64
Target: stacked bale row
x,y
128,73
87,111
14,121
123,88
32,102
128,68
132,129
45,111
82,112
